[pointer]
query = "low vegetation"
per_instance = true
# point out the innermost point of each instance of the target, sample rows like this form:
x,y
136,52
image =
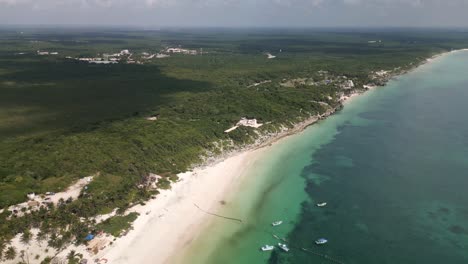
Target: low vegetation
x,y
117,224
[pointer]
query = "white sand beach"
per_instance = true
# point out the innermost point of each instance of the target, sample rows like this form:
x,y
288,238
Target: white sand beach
x,y
174,220
168,224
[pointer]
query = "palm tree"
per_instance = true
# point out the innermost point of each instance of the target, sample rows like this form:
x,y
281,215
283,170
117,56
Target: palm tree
x,y
10,253
71,257
41,236
26,237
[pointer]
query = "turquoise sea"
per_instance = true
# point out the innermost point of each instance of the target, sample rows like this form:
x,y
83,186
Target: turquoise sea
x,y
392,166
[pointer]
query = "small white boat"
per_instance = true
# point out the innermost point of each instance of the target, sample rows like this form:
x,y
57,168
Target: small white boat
x,y
321,241
267,248
283,247
321,204
277,223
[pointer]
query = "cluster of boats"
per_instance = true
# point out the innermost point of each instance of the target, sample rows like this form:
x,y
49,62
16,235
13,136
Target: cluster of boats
x,y
284,247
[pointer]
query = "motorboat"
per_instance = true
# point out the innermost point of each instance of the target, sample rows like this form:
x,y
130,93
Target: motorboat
x,y
283,247
321,241
267,248
277,223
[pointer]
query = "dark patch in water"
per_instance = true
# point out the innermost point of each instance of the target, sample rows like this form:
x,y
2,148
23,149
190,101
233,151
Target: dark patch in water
x,y
459,230
329,213
236,238
444,210
464,213
432,215
274,258
261,202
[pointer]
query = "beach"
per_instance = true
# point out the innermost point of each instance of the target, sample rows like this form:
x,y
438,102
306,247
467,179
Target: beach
x,y
174,220
168,224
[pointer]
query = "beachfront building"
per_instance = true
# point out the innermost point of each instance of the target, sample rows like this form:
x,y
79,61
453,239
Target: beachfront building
x,y
348,84
249,123
245,122
381,73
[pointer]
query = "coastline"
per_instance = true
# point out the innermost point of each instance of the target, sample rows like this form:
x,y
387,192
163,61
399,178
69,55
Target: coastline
x,y
168,224
162,237
239,162
175,221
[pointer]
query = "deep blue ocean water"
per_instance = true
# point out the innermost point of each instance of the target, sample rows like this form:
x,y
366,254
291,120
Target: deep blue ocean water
x,y
392,166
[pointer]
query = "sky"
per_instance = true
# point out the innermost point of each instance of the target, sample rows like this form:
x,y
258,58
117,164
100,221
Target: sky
x,y
237,13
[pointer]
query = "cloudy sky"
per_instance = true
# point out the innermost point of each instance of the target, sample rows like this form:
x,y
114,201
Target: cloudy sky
x,y
232,13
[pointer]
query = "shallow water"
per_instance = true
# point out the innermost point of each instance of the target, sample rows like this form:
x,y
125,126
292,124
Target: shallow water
x,y
392,166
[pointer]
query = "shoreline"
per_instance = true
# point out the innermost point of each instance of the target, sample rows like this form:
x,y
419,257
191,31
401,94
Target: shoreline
x,y
168,224
199,187
234,158
203,187
175,220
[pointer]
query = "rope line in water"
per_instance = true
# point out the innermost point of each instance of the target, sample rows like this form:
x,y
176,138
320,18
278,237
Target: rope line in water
x,y
217,215
323,256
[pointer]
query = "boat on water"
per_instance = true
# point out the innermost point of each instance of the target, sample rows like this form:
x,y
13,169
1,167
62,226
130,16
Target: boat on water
x,y
283,247
275,236
321,241
277,223
267,248
321,204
